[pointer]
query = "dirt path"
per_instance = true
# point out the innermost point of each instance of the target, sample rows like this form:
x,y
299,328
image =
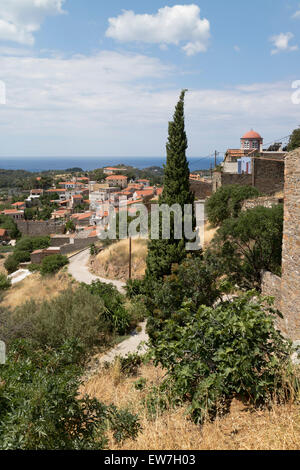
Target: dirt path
x,y
79,269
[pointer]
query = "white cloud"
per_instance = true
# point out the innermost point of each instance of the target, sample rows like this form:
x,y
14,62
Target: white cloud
x,y
20,19
120,104
170,25
296,15
281,42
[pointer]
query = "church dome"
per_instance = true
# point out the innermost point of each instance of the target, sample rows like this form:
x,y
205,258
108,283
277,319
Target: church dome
x,y
252,135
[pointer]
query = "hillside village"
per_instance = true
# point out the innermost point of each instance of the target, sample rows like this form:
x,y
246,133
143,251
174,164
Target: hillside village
x,y
82,204
79,202
58,300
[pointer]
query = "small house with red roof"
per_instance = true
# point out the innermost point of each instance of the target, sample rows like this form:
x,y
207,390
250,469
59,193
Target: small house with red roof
x,y
14,214
19,205
117,180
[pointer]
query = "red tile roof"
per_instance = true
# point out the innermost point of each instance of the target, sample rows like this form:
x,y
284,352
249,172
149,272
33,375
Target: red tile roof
x,y
116,177
145,192
16,204
93,234
12,211
56,190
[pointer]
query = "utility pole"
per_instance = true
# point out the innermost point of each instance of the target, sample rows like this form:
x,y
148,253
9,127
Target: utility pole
x,y
216,153
130,250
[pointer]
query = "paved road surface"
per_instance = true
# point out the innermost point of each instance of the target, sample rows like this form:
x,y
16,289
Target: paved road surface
x,y
78,267
129,346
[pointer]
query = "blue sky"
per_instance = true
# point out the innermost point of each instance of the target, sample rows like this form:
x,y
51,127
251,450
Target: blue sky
x,y
88,78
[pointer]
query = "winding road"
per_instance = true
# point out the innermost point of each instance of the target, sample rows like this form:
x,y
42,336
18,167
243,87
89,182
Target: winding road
x,y
79,269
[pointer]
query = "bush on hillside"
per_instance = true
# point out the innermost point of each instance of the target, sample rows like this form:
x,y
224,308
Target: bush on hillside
x,y
11,264
134,287
115,311
5,282
72,314
219,353
227,201
9,224
40,408
249,244
32,243
52,264
22,256
192,280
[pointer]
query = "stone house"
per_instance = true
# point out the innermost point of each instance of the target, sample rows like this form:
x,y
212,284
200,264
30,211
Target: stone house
x,y
117,180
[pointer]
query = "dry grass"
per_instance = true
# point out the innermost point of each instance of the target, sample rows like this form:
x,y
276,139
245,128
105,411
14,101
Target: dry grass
x,y
2,261
209,234
36,287
241,429
113,262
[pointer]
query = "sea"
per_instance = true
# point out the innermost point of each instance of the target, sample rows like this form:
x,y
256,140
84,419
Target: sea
x,y
39,164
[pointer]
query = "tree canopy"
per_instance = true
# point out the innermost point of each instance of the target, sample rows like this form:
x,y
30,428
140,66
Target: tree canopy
x,y
163,253
226,202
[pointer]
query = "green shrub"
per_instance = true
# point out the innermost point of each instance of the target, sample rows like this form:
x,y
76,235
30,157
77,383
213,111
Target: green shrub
x,y
22,256
137,310
32,243
140,384
11,264
8,223
130,364
40,408
226,202
232,350
53,263
5,282
33,267
134,287
115,311
193,280
249,244
72,314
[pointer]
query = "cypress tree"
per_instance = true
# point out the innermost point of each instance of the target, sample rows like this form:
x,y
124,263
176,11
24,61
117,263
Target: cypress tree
x,y
163,253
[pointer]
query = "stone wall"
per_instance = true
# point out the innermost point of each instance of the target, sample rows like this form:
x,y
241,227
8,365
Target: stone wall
x,y
271,286
79,244
39,228
266,201
37,256
267,177
201,189
225,179
290,287
287,289
59,240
